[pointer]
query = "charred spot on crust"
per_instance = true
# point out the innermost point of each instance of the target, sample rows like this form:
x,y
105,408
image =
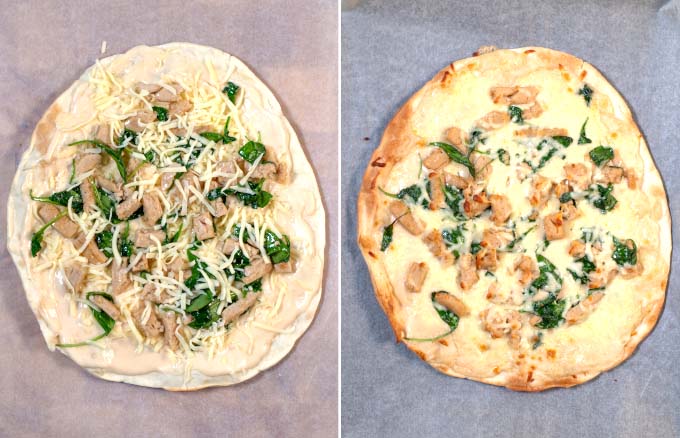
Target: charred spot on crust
x,y
378,163
526,52
371,254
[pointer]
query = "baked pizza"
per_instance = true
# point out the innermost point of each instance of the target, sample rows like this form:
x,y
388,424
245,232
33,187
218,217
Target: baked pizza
x,y
515,227
166,224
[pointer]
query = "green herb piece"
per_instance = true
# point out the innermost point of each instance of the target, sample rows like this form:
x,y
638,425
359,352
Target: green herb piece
x,y
104,241
387,237
72,176
230,90
601,155
582,139
450,318
503,156
37,238
414,192
515,114
603,199
129,135
115,154
62,198
454,198
545,158
199,302
453,236
623,253
255,286
258,199
150,156
475,138
106,204
126,247
277,248
587,266
566,197
587,93
547,272
550,310
455,155
475,247
161,113
212,136
563,140
239,263
206,315
251,151
510,246
539,341
226,138
105,321
175,237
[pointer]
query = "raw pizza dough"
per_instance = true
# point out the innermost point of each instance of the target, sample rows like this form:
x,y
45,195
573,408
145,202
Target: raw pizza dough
x,y
538,293
109,94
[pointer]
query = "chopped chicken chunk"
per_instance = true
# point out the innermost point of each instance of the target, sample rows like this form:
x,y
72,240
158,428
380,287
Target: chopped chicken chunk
x,y
452,303
533,111
494,120
578,174
581,311
120,280
76,276
610,175
437,193
144,238
457,139
153,208
415,276
126,208
87,193
65,226
406,218
500,209
468,271
487,258
91,251
457,181
527,268
256,269
474,204
435,243
234,310
436,160
106,305
169,320
554,226
577,249
87,162
541,188
285,267
203,226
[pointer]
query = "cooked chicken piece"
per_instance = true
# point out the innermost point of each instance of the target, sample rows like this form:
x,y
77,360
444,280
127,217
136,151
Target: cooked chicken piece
x,y
126,208
165,95
483,166
600,278
107,306
91,252
513,95
169,320
153,294
502,94
435,243
578,174
496,238
266,170
569,211
167,179
632,179
500,209
535,131
633,271
494,120
415,276
87,193
229,246
234,310
577,249
436,160
225,168
457,139
180,107
139,121
103,134
474,204
495,295
87,162
581,311
76,277
437,193
256,269
203,226
554,226
406,218
120,280
487,258
499,322
65,226
527,268
541,189
149,88
562,187
178,264
456,181
610,174
144,239
153,326
452,303
190,179
532,112
141,265
468,271
153,208
219,207
109,186
285,267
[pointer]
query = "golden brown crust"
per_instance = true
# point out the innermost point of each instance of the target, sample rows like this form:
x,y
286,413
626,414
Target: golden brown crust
x,y
399,141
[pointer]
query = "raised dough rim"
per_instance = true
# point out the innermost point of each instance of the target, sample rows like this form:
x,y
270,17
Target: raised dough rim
x,y
284,341
383,287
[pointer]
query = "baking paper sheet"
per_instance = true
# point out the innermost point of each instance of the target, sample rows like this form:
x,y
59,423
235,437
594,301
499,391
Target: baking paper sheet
x,y
44,47
389,50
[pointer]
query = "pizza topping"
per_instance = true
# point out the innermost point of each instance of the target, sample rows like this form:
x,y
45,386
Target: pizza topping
x,y
76,276
106,305
487,258
550,311
452,303
457,138
533,111
467,265
406,218
435,242
500,209
554,226
541,191
436,191
475,203
578,175
436,160
499,323
415,276
153,208
513,95
587,93
527,268
497,119
65,226
585,307
230,313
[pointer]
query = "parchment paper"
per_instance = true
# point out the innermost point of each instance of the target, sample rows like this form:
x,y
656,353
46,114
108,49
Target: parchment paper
x,y
44,47
389,50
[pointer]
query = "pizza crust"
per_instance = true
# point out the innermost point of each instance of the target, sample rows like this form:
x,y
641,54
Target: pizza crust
x,y
115,359
400,140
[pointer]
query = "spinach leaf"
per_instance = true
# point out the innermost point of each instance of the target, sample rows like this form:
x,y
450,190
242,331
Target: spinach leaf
x,y
72,176
239,263
161,113
563,140
455,155
603,199
515,114
547,272
601,155
150,156
37,238
106,204
103,319
216,137
453,236
566,197
126,247
115,154
127,134
587,266
175,237
550,310
206,315
582,139
545,158
198,267
255,286
475,138
104,241
475,247
450,318
587,93
414,192
212,136
454,200
623,253
503,156
510,246
230,90
388,231
199,302
251,151
258,199
278,249
62,198
214,194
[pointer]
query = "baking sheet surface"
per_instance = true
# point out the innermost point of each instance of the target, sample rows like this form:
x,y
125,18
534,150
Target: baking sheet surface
x,y
44,47
389,50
